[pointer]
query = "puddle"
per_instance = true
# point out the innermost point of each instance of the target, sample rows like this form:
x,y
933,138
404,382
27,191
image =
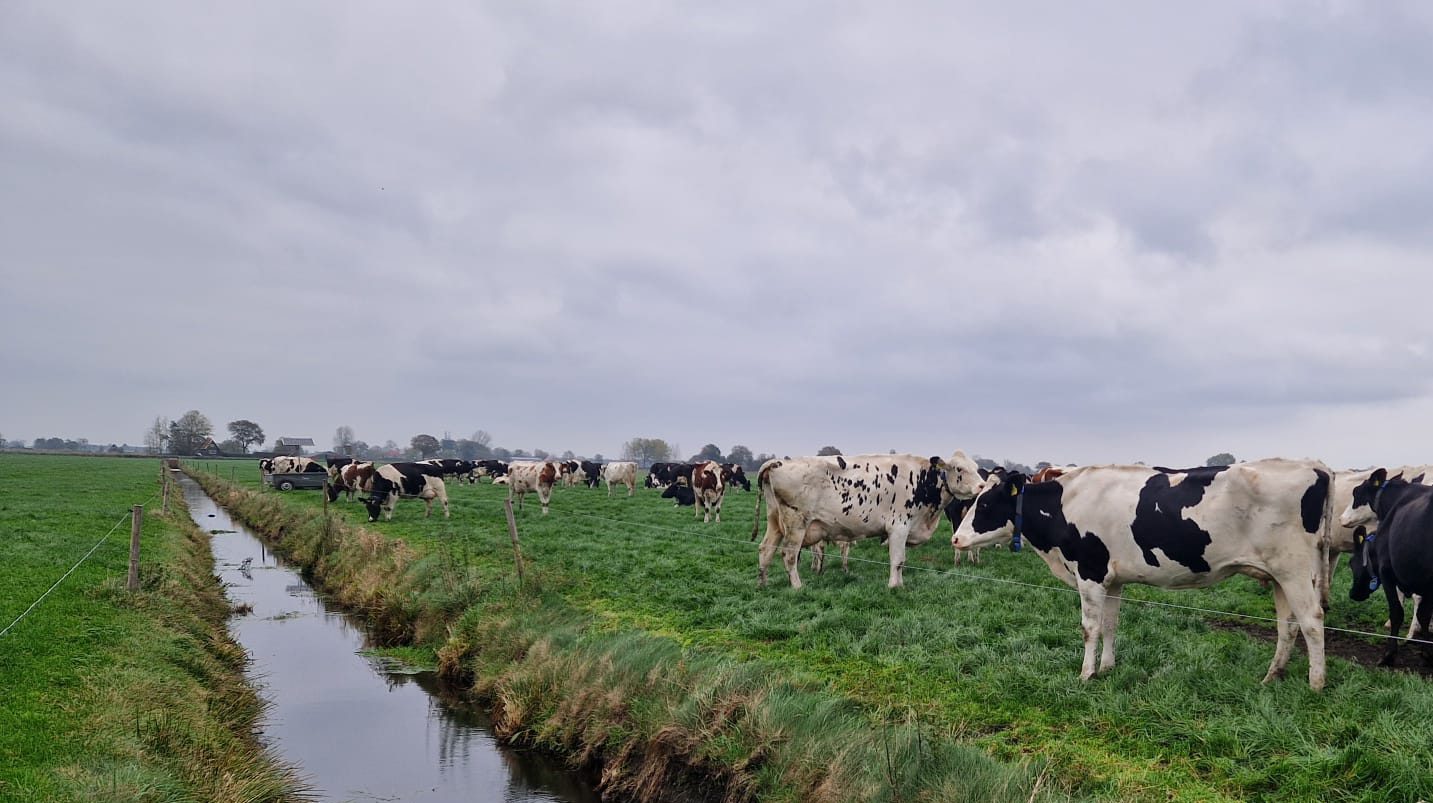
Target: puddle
x,y
362,728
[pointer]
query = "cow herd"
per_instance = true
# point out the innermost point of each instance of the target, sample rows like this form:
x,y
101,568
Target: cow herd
x,y
1097,528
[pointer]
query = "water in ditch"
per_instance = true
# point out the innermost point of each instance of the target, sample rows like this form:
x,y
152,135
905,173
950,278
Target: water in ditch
x,y
359,728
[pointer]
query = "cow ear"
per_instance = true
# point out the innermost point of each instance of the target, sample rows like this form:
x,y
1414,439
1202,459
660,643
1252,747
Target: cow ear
x,y
1379,476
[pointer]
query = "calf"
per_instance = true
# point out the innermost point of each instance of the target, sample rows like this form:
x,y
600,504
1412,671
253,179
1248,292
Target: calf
x,y
680,493
1100,528
1398,556
525,477
708,489
350,478
623,472
407,480
898,498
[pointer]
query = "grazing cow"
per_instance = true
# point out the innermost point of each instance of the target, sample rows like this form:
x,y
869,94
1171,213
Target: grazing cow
x,y
592,470
898,498
489,468
407,480
350,478
680,493
708,488
660,475
1398,555
525,477
622,472
449,467
1100,528
735,475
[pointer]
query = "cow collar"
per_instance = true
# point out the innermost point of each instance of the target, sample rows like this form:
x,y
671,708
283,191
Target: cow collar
x,y
1373,581
1379,495
1015,543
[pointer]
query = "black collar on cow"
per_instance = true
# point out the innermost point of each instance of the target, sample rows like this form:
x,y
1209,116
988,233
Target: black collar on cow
x,y
1373,581
1019,519
1382,486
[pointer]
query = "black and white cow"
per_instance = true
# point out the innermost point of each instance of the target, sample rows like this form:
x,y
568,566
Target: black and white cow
x,y
407,480
898,498
735,475
1343,537
489,468
680,493
591,472
1396,553
296,465
660,475
449,467
336,462
1100,528
266,465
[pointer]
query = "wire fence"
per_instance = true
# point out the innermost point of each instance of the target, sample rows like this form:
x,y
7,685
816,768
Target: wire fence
x,y
78,563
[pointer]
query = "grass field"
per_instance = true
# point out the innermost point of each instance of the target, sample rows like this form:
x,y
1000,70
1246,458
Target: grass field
x,y
104,694
993,665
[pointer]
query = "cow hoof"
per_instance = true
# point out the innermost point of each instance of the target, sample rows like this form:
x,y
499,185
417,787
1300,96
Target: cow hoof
x,y
1386,660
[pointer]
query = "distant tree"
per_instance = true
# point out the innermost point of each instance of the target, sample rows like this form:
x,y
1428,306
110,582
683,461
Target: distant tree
x,y
189,433
245,432
390,449
447,446
986,463
598,458
893,451
499,453
425,445
232,446
710,452
1221,459
343,439
361,449
741,456
827,451
541,454
1042,465
482,438
467,450
520,453
647,451
157,436
568,455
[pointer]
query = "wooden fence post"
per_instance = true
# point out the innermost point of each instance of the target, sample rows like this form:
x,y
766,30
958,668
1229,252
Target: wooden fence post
x,y
136,515
512,532
164,490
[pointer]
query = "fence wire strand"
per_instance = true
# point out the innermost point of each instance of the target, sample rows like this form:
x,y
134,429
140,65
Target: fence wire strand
x,y
72,569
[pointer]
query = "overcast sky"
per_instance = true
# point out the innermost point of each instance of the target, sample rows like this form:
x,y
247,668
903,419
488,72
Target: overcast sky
x,y
1041,231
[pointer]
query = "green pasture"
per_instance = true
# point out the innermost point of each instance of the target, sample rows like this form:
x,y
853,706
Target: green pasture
x,y
1182,716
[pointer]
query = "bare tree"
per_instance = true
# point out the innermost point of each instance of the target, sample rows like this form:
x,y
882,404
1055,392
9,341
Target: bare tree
x,y
647,451
482,438
157,435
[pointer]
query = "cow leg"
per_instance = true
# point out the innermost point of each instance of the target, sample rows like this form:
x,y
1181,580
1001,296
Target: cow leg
x,y
975,555
897,543
1303,600
959,553
845,557
1092,611
544,498
609,489
1418,628
768,545
1285,629
818,558
427,508
718,510
1395,623
631,489
1109,625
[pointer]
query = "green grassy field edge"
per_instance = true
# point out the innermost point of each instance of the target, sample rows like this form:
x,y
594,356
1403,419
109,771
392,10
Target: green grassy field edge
x,y
110,694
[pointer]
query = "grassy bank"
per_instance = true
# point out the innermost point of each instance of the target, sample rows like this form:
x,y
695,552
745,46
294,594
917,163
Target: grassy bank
x,y
107,694
967,661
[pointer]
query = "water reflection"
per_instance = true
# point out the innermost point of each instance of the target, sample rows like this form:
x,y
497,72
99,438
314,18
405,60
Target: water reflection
x,y
362,729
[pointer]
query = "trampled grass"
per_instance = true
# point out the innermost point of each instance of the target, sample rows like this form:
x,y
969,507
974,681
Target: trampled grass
x,y
107,694
977,662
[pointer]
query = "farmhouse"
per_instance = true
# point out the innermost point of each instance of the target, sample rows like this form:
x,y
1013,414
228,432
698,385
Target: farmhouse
x,y
291,447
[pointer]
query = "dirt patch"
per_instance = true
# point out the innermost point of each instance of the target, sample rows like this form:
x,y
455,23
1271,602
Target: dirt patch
x,y
1355,649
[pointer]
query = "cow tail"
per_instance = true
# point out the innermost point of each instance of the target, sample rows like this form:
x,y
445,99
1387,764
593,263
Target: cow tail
x,y
756,525
1325,573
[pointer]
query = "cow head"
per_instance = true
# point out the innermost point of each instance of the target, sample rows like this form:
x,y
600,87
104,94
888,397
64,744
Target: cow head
x,y
1363,564
960,475
374,503
992,521
1365,498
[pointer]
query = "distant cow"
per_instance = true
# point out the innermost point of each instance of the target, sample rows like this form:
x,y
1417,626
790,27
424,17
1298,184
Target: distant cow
x,y
708,489
621,472
350,479
337,462
407,480
592,470
489,468
1397,555
898,498
680,493
572,473
1100,528
660,475
525,477
449,467
734,474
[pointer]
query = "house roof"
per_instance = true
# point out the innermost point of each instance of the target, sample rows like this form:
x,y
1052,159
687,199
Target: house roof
x,y
295,441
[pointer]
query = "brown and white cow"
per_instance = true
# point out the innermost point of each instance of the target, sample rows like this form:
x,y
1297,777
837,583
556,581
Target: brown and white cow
x,y
620,472
524,477
349,479
708,487
1100,528
846,498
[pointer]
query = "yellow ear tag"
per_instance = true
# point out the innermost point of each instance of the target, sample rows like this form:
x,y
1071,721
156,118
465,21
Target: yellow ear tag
x,y
1358,539
1014,490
